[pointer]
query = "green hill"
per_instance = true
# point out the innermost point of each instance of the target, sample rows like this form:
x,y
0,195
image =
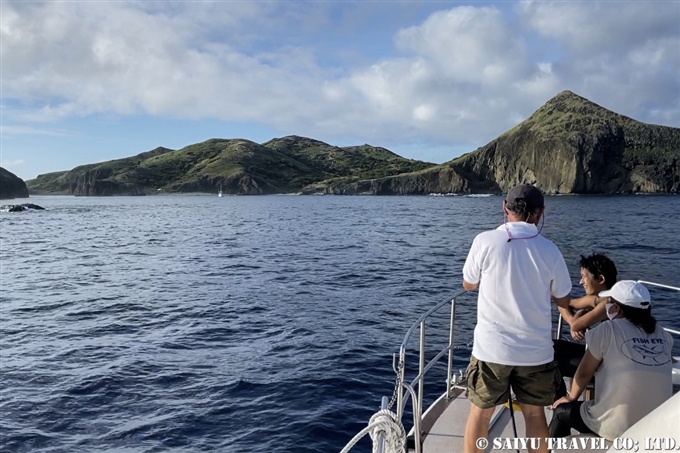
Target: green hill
x,y
238,166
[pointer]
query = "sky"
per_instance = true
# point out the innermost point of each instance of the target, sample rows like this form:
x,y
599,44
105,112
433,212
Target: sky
x,y
89,81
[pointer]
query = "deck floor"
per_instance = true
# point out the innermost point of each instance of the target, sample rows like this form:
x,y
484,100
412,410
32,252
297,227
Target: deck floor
x,y
447,419
446,435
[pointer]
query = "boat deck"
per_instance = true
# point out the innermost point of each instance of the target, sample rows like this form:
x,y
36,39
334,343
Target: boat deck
x,y
446,434
444,424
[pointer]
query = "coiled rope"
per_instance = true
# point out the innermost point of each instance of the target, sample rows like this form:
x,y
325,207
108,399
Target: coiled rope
x,y
385,422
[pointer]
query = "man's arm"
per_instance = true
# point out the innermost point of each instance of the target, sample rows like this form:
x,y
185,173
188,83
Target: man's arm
x,y
577,335
562,302
561,283
472,269
566,313
597,314
585,302
570,317
470,286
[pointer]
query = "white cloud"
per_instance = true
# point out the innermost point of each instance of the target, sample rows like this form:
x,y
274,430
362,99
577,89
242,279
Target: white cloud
x,y
466,64
468,44
462,75
82,58
601,28
624,55
424,112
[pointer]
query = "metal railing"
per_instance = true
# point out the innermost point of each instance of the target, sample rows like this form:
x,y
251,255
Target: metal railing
x,y
658,285
415,389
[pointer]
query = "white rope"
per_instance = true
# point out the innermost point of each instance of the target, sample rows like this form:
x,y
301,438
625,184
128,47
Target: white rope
x,y
394,434
385,422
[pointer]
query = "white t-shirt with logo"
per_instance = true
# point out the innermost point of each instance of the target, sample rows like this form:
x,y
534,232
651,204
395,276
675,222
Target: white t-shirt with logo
x,y
515,279
633,379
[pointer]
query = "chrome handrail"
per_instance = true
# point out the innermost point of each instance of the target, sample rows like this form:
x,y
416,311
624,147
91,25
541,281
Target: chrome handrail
x,y
427,315
423,367
658,285
381,434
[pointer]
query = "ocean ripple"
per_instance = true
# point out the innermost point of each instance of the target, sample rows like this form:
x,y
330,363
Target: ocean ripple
x,y
253,324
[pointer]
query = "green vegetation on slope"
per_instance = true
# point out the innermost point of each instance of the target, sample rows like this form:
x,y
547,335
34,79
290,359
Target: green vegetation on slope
x,y
56,183
279,166
344,164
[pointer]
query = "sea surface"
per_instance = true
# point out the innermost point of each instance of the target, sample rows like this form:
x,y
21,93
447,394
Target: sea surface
x,y
254,324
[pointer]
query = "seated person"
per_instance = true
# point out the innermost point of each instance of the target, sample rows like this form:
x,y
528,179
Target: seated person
x,y
632,357
598,273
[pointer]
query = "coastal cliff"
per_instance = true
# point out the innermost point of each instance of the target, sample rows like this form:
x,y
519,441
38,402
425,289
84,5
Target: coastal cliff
x,y
569,145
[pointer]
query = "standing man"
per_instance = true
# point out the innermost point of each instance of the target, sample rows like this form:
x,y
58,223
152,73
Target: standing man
x,y
517,271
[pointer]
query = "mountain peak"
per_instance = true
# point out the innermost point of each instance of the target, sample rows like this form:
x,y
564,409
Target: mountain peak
x,y
566,94
297,143
567,101
296,139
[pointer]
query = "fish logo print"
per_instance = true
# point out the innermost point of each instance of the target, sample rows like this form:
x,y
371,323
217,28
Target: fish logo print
x,y
646,352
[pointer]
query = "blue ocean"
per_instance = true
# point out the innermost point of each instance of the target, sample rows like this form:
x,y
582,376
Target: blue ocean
x,y
194,323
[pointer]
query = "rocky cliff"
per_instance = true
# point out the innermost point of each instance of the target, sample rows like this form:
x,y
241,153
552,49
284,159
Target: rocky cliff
x,y
569,145
11,186
437,179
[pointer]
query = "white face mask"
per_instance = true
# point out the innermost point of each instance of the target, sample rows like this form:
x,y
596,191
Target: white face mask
x,y
610,315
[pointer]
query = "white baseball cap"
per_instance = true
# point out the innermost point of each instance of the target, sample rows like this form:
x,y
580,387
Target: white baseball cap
x,y
629,292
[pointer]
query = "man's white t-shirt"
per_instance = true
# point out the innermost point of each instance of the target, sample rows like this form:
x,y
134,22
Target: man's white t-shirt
x,y
633,379
516,279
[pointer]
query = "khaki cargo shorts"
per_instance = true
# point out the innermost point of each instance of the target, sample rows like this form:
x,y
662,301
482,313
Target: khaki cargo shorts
x,y
488,384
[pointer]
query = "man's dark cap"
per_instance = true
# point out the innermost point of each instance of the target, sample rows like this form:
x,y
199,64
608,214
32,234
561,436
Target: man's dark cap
x,y
530,195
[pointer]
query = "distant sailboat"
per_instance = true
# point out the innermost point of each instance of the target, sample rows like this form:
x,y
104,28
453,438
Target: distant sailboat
x,y
219,194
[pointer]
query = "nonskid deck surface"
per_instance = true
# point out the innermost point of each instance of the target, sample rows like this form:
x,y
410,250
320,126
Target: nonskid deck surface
x,y
446,435
448,424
